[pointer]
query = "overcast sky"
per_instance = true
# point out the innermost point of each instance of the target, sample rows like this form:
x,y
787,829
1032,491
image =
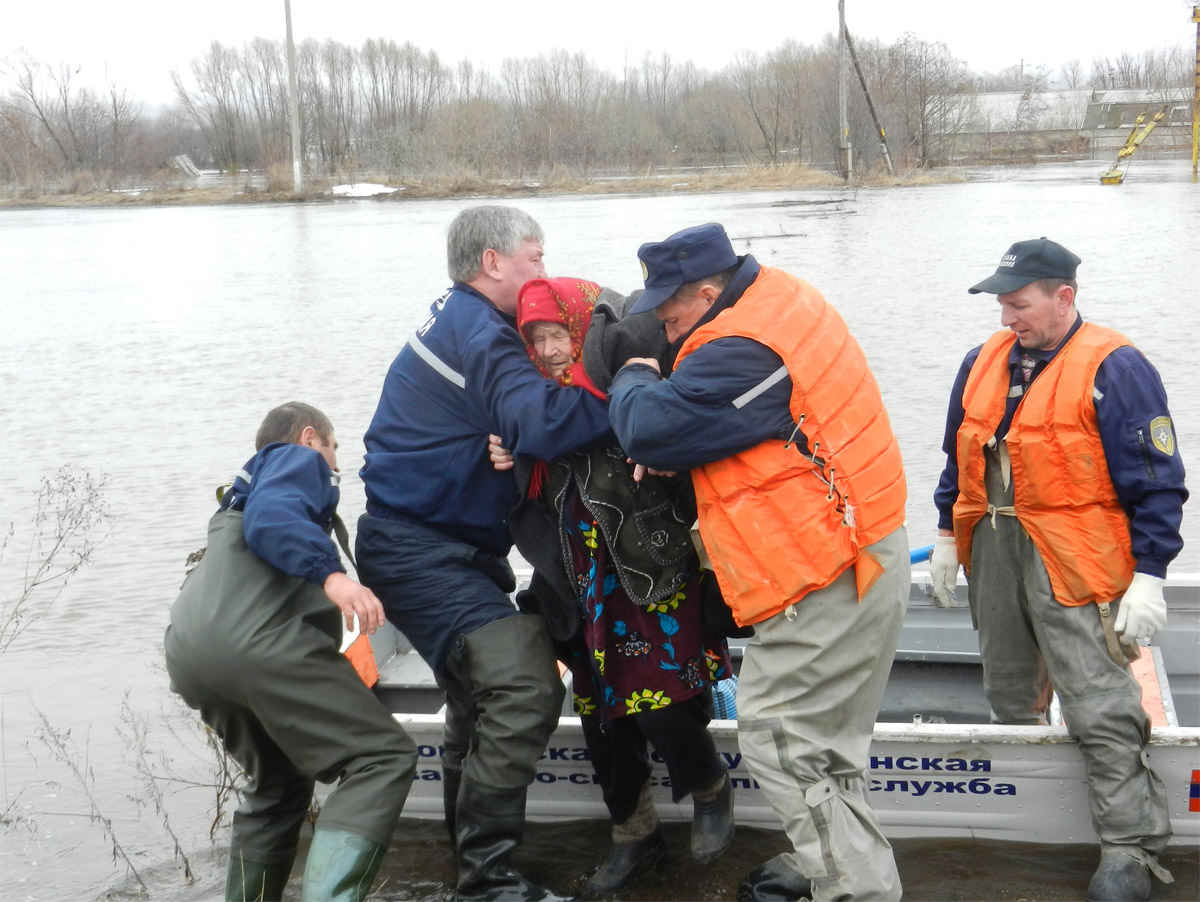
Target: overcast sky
x,y
138,42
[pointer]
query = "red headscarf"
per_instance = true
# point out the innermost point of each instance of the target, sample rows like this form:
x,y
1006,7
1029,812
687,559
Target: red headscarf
x,y
568,302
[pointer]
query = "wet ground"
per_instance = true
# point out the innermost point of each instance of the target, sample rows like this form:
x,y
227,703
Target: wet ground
x,y
420,868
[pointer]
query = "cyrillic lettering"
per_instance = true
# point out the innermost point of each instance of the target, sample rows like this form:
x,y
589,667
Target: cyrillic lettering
x,y
545,777
981,764
920,787
1004,789
980,786
427,751
949,786
878,763
931,764
910,765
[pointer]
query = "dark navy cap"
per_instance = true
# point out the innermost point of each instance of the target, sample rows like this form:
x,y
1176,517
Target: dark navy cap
x,y
686,256
1028,261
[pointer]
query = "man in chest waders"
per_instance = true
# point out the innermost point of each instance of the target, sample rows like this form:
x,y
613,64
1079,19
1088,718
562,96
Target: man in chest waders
x,y
434,541
253,646
800,491
1062,496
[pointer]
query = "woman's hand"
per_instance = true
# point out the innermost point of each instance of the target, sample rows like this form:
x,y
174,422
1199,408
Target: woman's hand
x,y
502,458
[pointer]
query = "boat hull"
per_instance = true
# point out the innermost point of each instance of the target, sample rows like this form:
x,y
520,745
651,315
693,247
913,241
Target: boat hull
x,y
938,768
982,781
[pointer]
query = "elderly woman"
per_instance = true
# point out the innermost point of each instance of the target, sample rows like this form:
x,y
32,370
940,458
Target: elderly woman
x,y
619,582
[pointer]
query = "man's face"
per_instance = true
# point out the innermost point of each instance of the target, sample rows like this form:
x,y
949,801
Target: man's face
x,y
680,312
509,273
328,450
1039,320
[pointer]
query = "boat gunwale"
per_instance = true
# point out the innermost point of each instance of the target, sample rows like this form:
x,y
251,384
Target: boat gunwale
x,y
929,733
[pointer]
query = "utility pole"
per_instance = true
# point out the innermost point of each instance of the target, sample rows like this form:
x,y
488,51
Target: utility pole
x,y
1196,97
862,80
844,150
293,103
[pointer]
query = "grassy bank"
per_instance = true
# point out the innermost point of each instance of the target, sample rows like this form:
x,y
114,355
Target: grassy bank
x,y
241,191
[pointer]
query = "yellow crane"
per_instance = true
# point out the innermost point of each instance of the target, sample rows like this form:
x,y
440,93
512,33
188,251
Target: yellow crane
x,y
1137,135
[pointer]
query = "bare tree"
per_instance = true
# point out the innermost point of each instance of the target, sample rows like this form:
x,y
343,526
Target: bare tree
x,y
1071,74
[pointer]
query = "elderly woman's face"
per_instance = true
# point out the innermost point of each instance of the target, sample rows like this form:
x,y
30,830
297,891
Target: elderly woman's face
x,y
551,343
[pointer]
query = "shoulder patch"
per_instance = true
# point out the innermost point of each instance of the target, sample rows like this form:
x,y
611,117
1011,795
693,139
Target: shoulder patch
x,y
1162,435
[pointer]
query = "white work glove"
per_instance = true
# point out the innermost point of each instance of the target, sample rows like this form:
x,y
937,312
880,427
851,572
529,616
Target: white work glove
x,y
1143,610
943,567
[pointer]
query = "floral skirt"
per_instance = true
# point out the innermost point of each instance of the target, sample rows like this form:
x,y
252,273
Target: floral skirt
x,y
642,657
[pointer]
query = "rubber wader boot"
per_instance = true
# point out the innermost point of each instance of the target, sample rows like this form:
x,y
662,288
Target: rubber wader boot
x,y
247,881
1120,876
626,861
712,822
340,866
490,823
774,880
451,780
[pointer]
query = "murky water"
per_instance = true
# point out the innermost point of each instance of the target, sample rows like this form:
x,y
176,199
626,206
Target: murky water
x,y
146,344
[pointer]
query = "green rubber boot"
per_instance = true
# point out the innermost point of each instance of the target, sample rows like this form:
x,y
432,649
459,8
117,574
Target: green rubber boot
x,y
340,867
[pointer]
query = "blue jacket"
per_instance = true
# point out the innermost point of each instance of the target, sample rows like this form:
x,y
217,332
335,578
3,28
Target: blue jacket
x,y
288,495
463,375
692,418
1129,394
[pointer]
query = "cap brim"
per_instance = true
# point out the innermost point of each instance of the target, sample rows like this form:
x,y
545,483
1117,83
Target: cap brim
x,y
1002,283
652,298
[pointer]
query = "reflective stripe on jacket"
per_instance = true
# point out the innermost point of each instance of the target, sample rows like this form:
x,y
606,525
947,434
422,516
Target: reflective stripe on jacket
x,y
779,524
1062,492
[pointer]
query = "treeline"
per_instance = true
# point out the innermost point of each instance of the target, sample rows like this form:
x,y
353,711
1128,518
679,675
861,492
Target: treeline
x,y
394,108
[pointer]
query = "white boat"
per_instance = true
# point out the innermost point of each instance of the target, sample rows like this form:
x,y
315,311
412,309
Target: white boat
x,y
938,767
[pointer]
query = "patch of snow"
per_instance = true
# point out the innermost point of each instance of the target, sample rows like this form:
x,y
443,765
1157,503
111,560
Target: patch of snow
x,y
362,189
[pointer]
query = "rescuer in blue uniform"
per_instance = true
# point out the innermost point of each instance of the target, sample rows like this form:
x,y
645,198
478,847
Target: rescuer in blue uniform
x,y
434,540
253,645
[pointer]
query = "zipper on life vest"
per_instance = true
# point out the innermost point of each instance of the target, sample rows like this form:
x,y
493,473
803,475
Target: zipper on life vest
x,y
1146,454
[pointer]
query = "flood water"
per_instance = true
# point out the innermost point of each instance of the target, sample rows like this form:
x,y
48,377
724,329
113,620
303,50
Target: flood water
x,y
145,344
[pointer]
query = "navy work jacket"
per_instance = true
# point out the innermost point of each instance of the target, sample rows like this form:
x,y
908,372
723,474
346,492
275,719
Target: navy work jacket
x,y
1128,394
464,374
724,397
287,495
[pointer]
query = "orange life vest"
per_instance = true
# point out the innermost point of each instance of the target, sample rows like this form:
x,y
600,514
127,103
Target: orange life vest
x,y
1062,492
776,524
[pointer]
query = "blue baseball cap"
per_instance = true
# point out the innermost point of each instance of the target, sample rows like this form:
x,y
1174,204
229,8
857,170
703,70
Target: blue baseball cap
x,y
686,256
1028,261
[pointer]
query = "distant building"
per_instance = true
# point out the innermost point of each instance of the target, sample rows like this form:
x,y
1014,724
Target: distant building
x,y
1119,109
1018,125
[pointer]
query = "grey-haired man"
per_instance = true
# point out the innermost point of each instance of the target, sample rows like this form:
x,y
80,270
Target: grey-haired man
x,y
434,541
